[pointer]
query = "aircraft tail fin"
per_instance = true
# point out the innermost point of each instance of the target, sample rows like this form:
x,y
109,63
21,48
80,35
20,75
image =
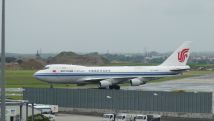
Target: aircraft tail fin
x,y
179,57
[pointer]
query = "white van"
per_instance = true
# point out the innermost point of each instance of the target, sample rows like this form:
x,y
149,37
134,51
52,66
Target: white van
x,y
47,110
147,118
141,118
109,117
124,117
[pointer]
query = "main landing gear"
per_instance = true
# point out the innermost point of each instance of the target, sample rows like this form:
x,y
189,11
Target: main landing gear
x,y
116,87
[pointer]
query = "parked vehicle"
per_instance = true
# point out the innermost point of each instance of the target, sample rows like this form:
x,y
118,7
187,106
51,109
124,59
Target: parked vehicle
x,y
124,117
109,117
141,118
47,110
130,117
147,118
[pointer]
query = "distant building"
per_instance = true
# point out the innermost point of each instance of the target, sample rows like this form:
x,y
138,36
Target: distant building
x,y
38,55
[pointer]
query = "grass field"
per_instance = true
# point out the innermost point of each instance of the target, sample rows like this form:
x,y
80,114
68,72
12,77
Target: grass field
x,y
24,78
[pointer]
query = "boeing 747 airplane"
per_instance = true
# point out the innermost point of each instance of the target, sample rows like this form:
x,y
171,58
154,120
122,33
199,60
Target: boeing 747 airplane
x,y
111,76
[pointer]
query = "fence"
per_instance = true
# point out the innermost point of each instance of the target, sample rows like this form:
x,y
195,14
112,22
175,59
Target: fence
x,y
189,102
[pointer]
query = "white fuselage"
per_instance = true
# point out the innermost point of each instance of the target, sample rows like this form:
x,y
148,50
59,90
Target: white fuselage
x,y
75,74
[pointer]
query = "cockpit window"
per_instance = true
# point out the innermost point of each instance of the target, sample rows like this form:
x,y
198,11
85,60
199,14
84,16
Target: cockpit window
x,y
46,67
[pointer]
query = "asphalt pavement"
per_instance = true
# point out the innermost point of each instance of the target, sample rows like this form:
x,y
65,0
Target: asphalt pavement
x,y
203,83
74,117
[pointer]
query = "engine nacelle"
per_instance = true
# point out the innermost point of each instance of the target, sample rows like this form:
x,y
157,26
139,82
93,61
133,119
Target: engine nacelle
x,y
105,83
137,81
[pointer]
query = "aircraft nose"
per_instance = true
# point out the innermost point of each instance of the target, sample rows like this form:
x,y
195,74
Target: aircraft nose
x,y
36,75
40,76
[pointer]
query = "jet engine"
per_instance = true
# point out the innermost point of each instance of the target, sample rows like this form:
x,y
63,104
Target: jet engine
x,y
137,81
105,83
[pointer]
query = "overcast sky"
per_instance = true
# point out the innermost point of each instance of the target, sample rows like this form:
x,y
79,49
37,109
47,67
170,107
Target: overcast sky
x,y
108,25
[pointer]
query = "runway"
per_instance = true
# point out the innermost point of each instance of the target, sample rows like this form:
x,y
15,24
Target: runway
x,y
196,84
203,83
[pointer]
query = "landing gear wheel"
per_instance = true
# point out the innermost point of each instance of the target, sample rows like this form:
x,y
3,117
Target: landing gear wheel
x,y
111,87
117,87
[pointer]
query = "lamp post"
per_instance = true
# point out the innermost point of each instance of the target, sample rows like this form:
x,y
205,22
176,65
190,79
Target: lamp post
x,y
2,77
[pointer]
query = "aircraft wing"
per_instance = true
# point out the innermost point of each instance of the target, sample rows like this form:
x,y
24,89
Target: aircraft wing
x,y
94,80
115,80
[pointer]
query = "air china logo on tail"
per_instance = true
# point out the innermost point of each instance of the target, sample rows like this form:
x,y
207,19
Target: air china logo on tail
x,y
182,55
